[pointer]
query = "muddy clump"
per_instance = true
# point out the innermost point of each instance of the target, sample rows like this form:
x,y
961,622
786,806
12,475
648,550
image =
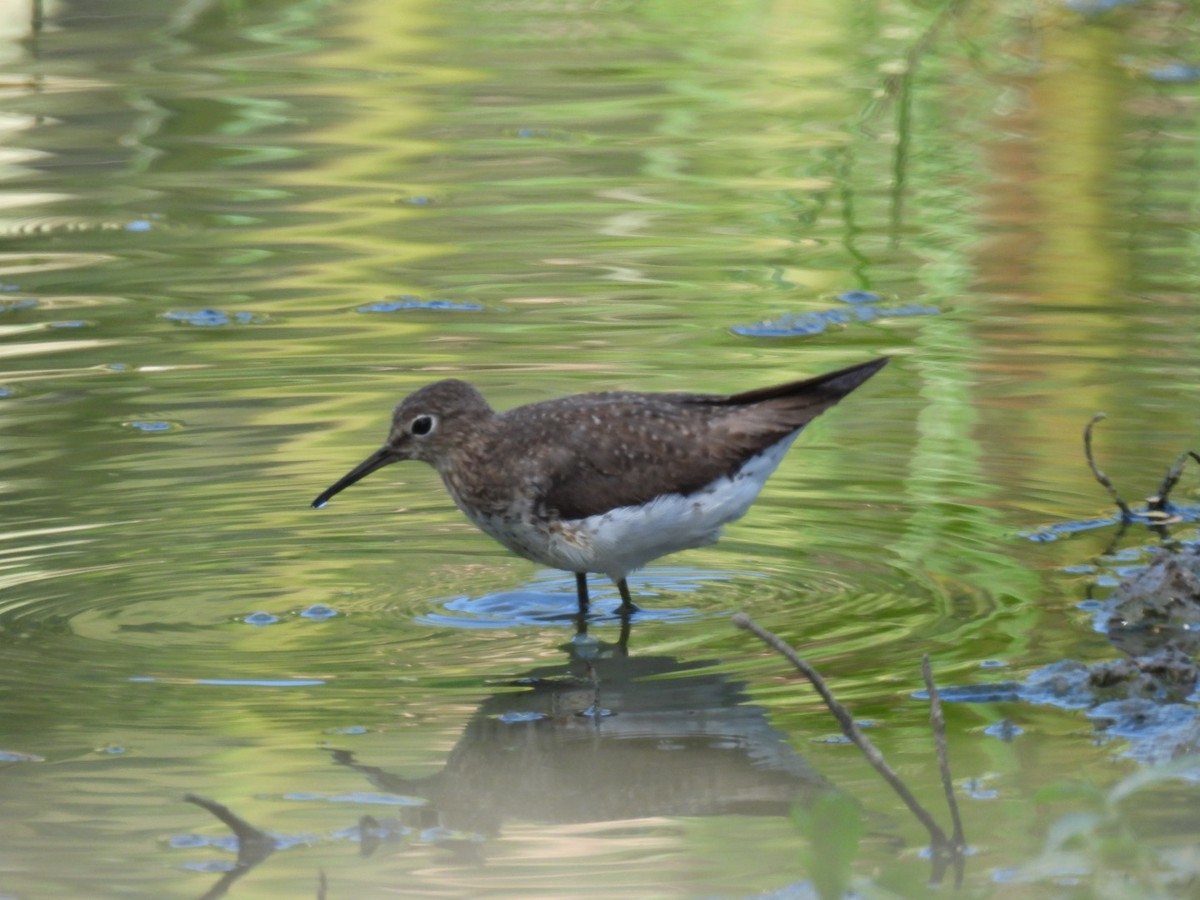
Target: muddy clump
x,y
1158,607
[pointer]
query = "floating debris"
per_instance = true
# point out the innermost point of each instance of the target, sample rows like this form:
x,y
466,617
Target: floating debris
x,y
1157,732
209,318
14,756
192,841
976,789
514,716
150,426
859,297
862,308
371,831
832,739
1174,73
319,612
1063,684
1005,729
1148,516
595,712
408,301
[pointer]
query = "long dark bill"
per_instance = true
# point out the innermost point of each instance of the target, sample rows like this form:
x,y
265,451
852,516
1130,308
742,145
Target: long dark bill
x,y
376,460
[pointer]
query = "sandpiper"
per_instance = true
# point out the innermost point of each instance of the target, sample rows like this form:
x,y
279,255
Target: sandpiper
x,y
604,482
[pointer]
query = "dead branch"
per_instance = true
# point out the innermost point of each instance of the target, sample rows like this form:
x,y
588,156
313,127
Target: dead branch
x,y
938,723
1159,504
253,845
1126,512
937,838
1158,509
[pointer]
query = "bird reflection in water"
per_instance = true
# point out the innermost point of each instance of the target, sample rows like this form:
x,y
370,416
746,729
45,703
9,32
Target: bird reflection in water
x,y
605,737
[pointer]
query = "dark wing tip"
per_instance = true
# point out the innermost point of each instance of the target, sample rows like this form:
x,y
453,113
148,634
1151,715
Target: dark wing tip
x,y
832,385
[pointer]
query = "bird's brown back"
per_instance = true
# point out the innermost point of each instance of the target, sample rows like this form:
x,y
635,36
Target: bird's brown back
x,y
586,454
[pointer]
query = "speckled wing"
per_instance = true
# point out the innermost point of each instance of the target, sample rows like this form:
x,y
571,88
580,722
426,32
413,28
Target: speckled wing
x,y
614,450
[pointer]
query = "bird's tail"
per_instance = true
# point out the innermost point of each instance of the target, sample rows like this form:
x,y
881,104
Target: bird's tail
x,y
793,405
828,388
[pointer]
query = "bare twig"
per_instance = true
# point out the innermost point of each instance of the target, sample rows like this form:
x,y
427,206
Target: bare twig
x,y
253,845
938,723
850,729
1126,512
1159,504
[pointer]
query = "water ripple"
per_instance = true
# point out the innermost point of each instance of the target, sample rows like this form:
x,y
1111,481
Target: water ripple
x,y
551,599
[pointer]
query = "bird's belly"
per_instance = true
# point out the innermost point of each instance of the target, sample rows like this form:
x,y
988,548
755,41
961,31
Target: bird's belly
x,y
621,540
627,538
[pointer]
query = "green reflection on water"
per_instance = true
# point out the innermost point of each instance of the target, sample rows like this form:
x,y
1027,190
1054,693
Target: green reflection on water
x,y
616,185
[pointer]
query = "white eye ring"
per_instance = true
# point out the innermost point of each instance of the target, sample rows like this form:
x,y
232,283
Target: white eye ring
x,y
422,425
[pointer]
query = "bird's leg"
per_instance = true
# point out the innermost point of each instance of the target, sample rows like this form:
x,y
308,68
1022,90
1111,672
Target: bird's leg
x,y
621,650
581,592
627,605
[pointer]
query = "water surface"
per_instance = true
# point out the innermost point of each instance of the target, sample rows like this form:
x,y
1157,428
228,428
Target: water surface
x,y
234,235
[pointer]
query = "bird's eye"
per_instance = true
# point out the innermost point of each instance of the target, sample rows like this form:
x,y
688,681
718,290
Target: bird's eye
x,y
421,425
